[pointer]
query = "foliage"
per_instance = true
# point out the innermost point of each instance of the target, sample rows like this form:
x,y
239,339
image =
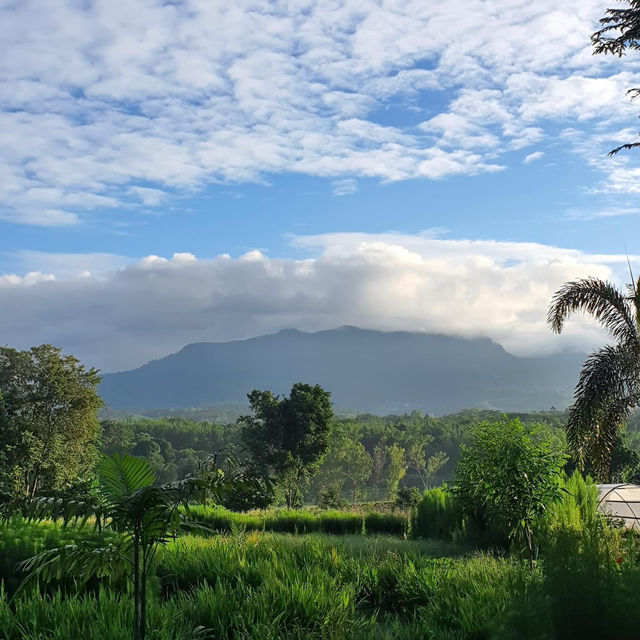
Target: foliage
x,y
396,471
577,506
329,498
254,493
254,585
608,387
620,31
20,540
48,423
287,437
437,515
591,570
426,468
346,466
300,521
407,497
144,515
184,445
507,478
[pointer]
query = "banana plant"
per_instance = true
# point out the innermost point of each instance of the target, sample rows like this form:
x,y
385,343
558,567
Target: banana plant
x,y
144,514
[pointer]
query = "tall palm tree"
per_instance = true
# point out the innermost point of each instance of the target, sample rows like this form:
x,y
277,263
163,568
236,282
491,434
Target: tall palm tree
x,y
608,388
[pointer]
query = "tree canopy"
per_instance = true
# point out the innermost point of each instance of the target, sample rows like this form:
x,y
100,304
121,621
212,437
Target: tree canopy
x,y
48,420
288,436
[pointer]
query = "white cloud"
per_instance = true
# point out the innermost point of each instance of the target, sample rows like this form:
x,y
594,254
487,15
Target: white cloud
x,y
610,212
344,187
106,101
125,314
532,157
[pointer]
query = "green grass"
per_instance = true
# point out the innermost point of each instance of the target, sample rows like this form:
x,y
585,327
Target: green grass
x,y
20,540
301,521
249,585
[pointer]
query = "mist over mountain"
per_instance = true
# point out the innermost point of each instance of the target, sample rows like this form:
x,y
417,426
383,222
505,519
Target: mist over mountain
x,y
374,371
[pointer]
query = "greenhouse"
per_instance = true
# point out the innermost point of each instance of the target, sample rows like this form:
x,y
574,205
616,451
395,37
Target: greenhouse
x,y
621,501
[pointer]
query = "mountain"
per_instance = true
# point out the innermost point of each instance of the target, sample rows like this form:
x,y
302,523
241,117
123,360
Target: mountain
x,y
374,371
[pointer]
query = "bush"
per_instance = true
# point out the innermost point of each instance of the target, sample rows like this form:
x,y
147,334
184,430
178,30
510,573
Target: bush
x,y
407,497
437,515
505,480
577,506
329,498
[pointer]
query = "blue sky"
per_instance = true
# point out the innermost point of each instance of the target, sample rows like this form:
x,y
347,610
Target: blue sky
x,y
197,170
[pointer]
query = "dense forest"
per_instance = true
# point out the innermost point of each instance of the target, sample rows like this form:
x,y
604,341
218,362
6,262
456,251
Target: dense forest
x,y
369,457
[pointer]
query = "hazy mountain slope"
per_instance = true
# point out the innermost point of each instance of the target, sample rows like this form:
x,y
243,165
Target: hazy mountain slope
x,y
364,370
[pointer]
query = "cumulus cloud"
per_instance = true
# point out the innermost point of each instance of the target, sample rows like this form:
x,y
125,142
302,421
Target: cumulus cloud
x,y
106,103
134,312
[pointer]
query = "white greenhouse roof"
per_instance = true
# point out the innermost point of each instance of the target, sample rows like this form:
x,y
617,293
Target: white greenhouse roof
x,y
621,501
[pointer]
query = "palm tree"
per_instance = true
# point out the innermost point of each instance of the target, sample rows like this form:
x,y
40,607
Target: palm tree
x,y
144,514
608,388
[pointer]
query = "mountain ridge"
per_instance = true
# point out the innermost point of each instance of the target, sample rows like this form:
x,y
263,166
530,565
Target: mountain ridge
x,y
365,370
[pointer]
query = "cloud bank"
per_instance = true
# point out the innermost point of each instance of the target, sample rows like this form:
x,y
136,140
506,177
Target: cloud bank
x,y
116,103
125,314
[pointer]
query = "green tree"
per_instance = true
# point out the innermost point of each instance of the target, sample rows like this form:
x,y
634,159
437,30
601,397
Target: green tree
x,y
378,462
506,477
346,463
287,437
48,420
417,459
608,388
620,31
117,436
396,471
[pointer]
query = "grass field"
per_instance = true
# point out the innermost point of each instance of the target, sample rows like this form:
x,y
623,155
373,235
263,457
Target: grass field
x,y
259,585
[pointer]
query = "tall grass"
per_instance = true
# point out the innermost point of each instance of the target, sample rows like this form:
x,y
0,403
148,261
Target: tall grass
x,y
20,540
300,521
250,585
436,515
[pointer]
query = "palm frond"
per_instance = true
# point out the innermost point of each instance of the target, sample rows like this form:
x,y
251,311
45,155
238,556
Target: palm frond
x,y
80,561
76,512
601,444
605,393
120,476
599,299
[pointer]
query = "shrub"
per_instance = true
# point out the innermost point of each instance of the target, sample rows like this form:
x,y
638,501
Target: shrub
x,y
577,506
329,498
437,515
506,478
407,497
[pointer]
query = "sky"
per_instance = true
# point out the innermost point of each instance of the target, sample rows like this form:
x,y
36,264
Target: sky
x,y
183,171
